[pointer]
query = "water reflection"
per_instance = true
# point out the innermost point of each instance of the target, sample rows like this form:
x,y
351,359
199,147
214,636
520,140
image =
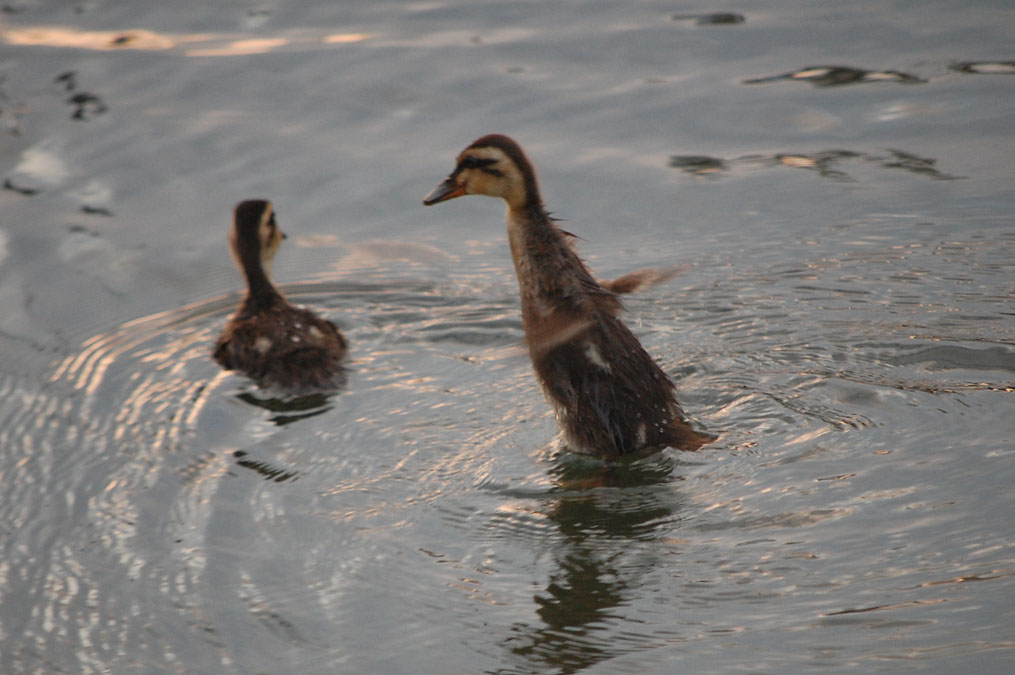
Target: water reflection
x,y
269,471
825,163
835,76
600,526
291,409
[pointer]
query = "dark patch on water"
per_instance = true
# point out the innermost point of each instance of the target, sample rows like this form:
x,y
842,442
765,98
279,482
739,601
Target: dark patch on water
x,y
86,105
698,165
96,211
952,357
836,76
68,80
289,409
20,189
825,163
985,67
266,469
11,112
714,19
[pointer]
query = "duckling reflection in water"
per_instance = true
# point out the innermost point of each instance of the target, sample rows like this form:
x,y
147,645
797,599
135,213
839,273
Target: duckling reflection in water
x,y
610,397
268,339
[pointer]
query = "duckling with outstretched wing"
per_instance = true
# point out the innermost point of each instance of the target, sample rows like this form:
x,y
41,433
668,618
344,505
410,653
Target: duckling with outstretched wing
x,y
610,397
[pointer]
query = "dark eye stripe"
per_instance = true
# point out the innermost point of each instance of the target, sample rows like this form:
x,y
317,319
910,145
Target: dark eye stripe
x,y
477,163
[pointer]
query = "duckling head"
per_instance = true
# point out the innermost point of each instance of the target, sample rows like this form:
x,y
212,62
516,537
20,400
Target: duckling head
x,y
495,166
255,237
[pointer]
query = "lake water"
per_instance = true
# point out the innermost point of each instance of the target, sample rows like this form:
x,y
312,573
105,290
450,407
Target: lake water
x,y
835,181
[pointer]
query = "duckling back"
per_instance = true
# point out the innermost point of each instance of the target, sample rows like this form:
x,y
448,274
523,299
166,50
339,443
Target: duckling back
x,y
284,346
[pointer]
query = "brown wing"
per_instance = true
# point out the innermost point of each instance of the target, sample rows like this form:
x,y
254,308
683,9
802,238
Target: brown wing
x,y
642,279
612,398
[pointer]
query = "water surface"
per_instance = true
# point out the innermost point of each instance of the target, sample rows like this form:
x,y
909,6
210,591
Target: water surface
x,y
835,184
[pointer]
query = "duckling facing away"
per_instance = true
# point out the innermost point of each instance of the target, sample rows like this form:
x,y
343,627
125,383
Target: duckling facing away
x,y
610,397
267,338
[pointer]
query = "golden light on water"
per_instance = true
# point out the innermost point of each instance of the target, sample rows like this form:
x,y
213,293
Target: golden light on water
x,y
198,44
345,38
241,48
59,36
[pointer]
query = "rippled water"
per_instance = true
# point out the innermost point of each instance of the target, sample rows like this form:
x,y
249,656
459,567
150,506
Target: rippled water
x,y
834,183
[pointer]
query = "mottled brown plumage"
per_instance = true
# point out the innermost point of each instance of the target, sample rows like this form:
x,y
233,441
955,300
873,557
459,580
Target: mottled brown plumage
x,y
610,397
267,338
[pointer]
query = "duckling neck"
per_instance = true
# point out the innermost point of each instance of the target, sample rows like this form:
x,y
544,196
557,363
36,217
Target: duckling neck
x,y
551,276
261,293
531,233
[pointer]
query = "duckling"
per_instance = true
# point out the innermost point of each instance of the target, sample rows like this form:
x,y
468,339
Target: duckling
x,y
609,396
268,339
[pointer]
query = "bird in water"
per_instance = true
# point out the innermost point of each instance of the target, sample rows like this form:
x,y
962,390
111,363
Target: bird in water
x,y
269,339
611,399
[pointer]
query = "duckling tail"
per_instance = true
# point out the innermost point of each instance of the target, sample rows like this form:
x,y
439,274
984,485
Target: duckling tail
x,y
683,437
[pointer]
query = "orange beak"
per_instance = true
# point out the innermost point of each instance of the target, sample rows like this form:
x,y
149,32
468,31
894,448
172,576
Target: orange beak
x,y
445,191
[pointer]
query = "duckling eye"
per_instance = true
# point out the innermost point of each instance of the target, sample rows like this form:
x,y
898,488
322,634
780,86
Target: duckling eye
x,y
481,163
269,230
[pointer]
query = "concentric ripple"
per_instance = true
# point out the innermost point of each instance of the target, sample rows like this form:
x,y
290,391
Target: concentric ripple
x,y
139,464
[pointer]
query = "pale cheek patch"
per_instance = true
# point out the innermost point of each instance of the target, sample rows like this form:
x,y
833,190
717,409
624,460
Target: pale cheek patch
x,y
479,183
